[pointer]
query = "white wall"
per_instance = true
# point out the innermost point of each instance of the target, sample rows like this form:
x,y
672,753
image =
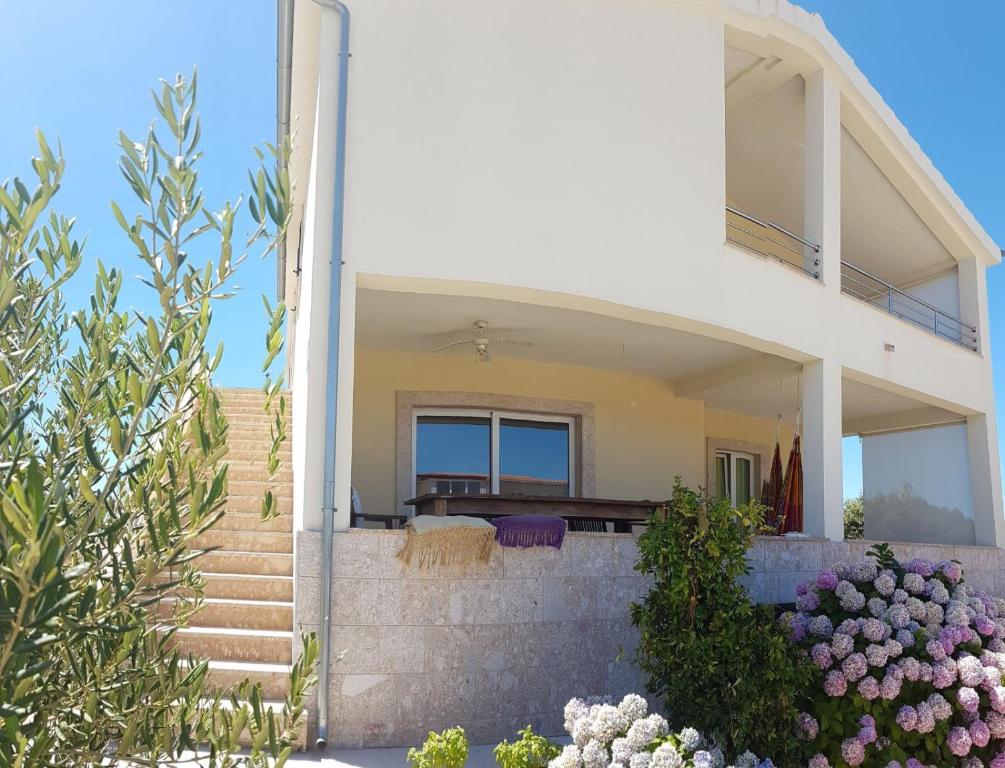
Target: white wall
x,y
917,486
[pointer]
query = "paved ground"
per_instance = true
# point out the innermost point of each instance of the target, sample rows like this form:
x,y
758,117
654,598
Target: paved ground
x,y
478,757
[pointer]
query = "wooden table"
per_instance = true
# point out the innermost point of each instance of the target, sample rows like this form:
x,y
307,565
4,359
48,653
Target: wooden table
x,y
621,512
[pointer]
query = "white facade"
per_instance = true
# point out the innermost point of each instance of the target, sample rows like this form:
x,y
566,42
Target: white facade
x,y
571,156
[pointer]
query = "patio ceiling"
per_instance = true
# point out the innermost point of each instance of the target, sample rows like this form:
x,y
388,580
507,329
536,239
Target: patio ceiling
x,y
725,376
417,322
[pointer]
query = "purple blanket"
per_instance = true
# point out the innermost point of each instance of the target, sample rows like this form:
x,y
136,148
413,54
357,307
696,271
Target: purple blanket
x,y
530,531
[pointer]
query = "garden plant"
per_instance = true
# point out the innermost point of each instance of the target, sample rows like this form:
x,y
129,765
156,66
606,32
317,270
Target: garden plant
x,y
715,660
911,661
113,460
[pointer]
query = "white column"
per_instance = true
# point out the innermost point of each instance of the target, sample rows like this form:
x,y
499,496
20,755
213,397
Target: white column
x,y
308,378
985,480
982,433
823,489
822,177
823,495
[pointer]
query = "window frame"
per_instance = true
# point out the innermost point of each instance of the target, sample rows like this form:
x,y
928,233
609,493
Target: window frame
x,y
731,457
495,416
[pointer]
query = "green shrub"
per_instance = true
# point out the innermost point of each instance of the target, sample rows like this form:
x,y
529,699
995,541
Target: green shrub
x,y
719,663
529,751
112,465
448,749
854,518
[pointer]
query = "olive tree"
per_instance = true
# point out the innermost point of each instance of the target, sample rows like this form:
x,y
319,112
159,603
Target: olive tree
x,y
113,460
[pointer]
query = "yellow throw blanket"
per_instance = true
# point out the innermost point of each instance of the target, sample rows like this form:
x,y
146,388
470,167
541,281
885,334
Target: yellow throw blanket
x,y
450,540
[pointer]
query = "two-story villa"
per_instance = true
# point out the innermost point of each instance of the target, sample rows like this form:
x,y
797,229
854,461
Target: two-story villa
x,y
668,233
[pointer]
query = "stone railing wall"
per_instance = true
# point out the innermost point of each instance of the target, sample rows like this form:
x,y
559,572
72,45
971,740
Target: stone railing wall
x,y
492,647
496,646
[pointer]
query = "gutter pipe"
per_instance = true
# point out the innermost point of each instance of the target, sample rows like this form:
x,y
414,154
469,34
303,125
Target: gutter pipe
x,y
331,375
284,81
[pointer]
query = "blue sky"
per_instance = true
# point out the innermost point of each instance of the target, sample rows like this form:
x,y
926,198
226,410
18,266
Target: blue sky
x,y
80,71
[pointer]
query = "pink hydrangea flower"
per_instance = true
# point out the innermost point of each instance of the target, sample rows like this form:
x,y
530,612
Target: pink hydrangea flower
x,y
853,751
959,741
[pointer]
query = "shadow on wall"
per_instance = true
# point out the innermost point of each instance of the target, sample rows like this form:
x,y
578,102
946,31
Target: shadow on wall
x,y
904,516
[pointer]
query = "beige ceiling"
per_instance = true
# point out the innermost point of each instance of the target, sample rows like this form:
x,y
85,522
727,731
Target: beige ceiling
x,y
765,161
416,322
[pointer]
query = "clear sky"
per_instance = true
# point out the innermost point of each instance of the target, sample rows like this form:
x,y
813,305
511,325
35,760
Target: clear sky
x,y
82,70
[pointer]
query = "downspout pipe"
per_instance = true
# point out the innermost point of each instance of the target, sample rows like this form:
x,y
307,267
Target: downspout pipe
x,y
284,83
331,374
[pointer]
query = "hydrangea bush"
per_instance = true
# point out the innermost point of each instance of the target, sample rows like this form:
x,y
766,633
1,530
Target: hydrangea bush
x,y
910,661
627,735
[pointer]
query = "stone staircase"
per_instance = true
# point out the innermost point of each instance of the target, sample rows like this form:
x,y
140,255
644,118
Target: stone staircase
x,y
245,628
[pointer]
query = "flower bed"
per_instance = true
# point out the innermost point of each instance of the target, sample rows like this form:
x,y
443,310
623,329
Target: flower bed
x,y
629,736
911,662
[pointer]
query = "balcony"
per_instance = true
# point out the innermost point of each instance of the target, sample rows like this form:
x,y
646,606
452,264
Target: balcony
x,y
772,241
901,304
778,243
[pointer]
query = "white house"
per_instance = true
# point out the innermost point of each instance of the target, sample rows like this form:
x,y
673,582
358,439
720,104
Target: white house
x,y
697,227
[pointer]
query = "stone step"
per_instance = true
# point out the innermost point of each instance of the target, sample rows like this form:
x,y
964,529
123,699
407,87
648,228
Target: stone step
x,y
252,563
252,503
244,541
252,522
234,644
248,586
259,487
275,678
238,470
299,741
237,614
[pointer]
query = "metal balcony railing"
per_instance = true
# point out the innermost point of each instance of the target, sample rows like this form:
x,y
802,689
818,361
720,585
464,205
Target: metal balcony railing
x,y
773,241
871,289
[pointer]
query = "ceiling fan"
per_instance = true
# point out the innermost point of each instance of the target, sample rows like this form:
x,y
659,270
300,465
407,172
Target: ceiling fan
x,y
481,341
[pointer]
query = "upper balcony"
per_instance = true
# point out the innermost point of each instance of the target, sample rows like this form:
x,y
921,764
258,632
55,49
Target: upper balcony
x,y
890,256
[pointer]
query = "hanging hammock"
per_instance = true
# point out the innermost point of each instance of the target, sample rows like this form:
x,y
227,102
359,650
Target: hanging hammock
x,y
790,508
772,491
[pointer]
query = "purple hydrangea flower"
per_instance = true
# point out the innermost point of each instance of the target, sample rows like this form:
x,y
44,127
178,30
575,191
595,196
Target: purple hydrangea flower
x,y
827,580
959,741
907,717
835,684
808,726
853,751
969,699
980,733
821,656
854,667
868,688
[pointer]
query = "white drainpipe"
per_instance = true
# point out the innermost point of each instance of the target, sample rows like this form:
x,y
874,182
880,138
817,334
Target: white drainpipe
x,y
331,375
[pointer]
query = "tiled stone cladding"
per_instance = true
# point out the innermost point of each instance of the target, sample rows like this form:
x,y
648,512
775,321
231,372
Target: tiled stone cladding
x,y
491,647
778,564
496,646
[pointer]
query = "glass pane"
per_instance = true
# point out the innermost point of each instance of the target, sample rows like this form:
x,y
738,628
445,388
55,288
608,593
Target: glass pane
x,y
452,455
722,476
533,457
742,481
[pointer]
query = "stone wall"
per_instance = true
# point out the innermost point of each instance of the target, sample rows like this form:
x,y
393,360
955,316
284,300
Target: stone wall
x,y
777,564
492,647
496,646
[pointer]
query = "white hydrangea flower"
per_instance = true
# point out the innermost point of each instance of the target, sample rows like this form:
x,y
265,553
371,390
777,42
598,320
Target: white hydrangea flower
x,y
644,732
640,760
595,755
621,750
633,707
574,710
570,757
666,756
608,723
747,760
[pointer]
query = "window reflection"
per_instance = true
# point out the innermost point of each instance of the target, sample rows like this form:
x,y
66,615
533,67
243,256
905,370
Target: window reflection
x,y
533,457
452,455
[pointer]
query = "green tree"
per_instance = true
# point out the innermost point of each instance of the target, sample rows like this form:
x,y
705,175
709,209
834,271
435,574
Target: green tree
x,y
720,663
113,459
854,518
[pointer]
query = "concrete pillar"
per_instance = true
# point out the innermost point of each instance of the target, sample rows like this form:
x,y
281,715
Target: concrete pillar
x,y
822,179
985,479
308,376
982,433
823,490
